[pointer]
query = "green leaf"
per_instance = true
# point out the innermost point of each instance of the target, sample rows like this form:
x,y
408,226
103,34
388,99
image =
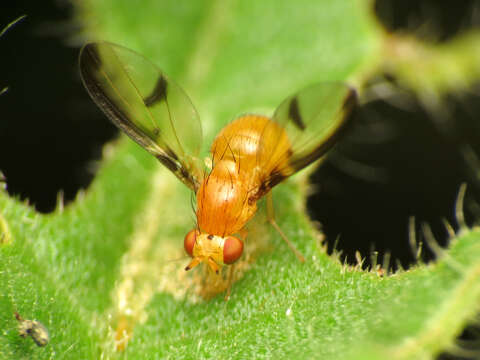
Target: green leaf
x,y
106,263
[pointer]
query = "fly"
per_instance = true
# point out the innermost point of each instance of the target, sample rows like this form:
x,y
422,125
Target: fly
x,y
250,155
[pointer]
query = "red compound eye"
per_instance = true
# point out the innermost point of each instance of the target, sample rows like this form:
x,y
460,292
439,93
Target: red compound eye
x,y
232,249
189,241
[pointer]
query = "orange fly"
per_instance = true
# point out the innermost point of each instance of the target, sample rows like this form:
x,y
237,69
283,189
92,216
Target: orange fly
x,y
249,157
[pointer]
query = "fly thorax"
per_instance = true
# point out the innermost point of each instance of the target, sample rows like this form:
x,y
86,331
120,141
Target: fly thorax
x,y
222,202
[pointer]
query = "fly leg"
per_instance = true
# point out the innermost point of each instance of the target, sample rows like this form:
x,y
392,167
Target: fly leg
x,y
271,220
231,271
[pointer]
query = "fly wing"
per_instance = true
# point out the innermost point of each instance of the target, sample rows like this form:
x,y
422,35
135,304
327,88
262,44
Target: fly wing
x,y
313,120
143,102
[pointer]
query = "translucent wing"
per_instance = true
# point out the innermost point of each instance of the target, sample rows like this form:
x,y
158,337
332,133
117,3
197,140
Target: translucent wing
x,y
313,119
142,101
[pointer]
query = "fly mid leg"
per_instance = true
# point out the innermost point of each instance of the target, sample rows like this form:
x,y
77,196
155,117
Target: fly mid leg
x,y
271,220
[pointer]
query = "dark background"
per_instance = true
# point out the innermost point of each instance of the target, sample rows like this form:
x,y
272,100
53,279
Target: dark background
x,y
399,160
50,131
402,160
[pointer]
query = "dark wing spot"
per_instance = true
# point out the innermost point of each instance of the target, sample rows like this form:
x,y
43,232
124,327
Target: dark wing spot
x,y
169,163
210,237
346,113
294,114
275,179
189,177
159,93
185,173
178,169
171,153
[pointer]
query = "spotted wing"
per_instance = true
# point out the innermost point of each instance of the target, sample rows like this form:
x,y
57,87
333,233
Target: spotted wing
x,y
143,102
313,120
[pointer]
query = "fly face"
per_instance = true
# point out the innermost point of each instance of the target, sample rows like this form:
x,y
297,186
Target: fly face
x,y
214,250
